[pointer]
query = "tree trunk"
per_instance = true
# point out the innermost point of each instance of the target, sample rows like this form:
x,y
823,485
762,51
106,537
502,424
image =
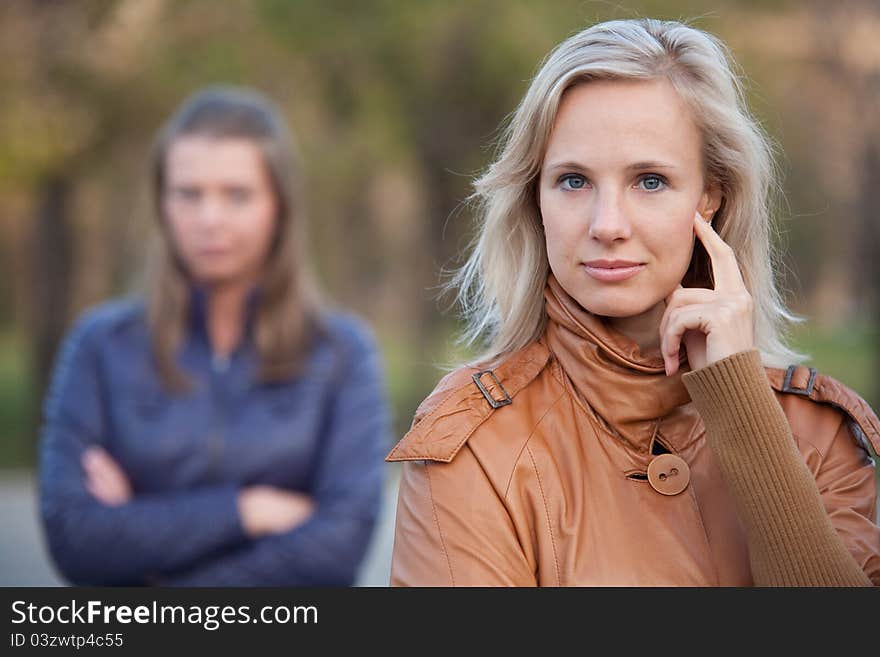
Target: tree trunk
x,y
51,265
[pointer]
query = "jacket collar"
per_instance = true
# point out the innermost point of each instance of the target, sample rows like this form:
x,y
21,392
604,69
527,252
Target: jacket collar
x,y
198,310
627,390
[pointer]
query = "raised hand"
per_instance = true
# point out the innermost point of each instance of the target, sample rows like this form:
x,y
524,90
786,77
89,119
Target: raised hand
x,y
714,323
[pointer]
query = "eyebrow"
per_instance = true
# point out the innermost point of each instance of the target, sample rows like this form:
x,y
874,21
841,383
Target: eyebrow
x,y
635,166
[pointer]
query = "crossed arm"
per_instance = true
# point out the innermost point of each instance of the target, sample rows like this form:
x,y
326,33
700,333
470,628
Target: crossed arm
x,y
219,534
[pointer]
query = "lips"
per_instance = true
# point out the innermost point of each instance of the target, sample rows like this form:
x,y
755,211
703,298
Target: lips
x,y
212,251
609,271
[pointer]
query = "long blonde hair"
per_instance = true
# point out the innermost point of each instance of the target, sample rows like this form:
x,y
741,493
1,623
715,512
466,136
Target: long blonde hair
x,y
287,309
500,286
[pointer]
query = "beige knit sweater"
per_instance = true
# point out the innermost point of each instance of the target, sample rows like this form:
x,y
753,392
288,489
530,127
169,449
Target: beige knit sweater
x,y
791,539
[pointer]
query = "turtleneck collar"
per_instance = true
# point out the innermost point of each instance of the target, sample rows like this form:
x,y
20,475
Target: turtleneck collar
x,y
627,389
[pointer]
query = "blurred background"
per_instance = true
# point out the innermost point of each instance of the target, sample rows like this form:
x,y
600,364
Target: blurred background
x,y
395,106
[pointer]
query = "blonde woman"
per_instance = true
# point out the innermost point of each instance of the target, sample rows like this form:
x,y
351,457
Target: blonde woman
x,y
637,418
225,428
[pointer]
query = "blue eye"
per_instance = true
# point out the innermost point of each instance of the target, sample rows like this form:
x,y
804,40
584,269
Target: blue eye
x,y
652,182
572,181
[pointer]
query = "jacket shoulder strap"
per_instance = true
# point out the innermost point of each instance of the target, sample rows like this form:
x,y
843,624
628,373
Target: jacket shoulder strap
x,y
806,382
462,401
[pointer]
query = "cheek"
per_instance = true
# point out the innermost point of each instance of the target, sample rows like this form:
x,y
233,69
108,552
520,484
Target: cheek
x,y
560,230
180,230
673,246
259,228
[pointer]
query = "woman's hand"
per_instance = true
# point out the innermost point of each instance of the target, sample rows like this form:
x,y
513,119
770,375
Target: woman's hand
x,y
715,323
105,479
269,510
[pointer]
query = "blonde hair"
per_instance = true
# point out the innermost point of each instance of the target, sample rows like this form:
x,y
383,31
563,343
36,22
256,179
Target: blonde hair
x,y
500,286
288,308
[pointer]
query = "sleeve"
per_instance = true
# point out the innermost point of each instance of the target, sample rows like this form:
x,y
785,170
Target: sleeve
x,y
452,529
328,548
101,545
791,538
845,475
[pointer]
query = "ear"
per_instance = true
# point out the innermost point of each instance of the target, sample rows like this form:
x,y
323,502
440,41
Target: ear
x,y
710,201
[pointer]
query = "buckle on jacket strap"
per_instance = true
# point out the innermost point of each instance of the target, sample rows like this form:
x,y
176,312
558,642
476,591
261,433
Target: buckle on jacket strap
x,y
494,403
786,384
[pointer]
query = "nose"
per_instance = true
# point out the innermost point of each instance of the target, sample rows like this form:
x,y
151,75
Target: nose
x,y
209,212
608,220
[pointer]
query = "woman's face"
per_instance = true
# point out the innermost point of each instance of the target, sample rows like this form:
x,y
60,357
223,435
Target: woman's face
x,y
620,183
220,208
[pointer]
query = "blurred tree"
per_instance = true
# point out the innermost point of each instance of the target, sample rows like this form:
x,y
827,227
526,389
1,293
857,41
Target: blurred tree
x,y
395,105
68,65
868,265
819,65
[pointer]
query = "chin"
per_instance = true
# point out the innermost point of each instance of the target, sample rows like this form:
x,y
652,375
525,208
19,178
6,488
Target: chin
x,y
617,305
215,276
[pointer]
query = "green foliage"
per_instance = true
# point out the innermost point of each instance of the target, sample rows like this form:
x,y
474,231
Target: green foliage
x,y
848,353
16,400
411,92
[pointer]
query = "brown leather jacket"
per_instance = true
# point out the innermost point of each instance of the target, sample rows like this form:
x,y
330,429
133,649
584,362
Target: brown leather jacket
x,y
577,461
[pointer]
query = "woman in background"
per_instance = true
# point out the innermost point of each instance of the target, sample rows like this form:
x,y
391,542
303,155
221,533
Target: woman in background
x,y
637,418
225,429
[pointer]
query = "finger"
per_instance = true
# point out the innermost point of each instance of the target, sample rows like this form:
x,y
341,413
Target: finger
x,y
108,466
112,490
100,492
693,317
91,465
98,454
95,491
91,479
672,294
97,465
669,302
106,472
687,295
684,296
725,270
689,317
695,346
89,455
104,483
97,457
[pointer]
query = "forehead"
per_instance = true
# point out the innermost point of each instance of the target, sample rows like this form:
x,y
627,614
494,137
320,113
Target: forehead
x,y
617,122
198,157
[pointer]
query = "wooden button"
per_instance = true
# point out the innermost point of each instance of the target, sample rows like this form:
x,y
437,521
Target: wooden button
x,y
669,474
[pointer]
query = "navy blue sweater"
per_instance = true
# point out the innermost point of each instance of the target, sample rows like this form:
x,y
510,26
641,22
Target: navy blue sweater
x,y
324,432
